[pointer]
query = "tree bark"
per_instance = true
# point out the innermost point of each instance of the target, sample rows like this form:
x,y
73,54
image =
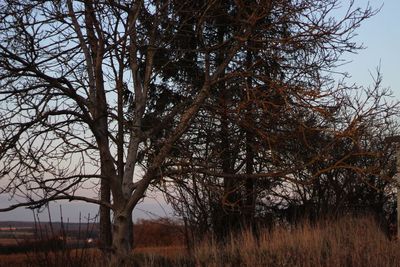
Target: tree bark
x,y
105,220
121,247
249,201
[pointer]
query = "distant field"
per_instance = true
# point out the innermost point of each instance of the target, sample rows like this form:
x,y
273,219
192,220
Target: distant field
x,y
8,241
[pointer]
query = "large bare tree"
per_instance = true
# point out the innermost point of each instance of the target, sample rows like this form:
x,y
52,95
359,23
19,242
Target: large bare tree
x,y
83,94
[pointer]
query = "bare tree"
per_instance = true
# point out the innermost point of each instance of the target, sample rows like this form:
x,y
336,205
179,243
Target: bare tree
x,y
83,84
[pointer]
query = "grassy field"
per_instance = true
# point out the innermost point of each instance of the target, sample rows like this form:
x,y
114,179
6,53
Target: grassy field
x,y
346,242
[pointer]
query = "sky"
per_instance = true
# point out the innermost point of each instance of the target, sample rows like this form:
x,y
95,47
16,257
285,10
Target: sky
x,y
381,37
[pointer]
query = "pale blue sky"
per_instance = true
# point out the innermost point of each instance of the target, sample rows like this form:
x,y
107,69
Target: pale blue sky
x,y
381,37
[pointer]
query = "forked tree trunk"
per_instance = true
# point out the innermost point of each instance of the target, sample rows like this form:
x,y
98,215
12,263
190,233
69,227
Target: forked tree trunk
x,y
121,247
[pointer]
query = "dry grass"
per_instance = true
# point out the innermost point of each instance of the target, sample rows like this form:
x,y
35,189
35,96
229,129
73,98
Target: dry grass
x,y
347,242
14,260
62,258
170,252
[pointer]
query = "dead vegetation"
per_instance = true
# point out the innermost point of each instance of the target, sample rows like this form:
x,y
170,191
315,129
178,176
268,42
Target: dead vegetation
x,y
349,241
346,242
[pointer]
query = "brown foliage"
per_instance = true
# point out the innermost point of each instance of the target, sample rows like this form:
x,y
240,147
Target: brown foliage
x,y
156,233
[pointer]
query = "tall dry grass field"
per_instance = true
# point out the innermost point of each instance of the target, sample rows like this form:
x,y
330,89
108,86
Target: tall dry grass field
x,y
349,242
346,242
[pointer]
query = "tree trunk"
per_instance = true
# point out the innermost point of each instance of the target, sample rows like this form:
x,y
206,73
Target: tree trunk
x,y
249,201
121,247
105,220
230,212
